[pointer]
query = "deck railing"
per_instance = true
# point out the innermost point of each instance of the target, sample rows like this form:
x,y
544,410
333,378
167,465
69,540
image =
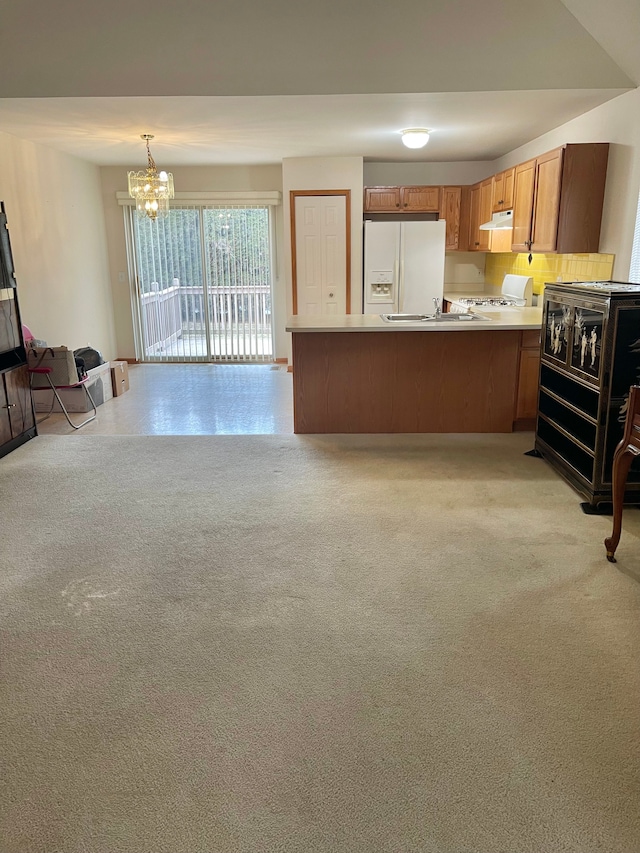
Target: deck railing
x,y
239,319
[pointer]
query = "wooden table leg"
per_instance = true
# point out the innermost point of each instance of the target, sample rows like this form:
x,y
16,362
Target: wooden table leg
x,y
622,460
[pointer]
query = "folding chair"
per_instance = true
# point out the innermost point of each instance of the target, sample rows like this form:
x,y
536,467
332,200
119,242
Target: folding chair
x,y
82,383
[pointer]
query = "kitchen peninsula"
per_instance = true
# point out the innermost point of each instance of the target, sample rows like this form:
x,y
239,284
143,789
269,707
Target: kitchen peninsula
x,y
357,373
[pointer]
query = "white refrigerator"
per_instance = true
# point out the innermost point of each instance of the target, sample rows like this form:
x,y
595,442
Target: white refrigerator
x,y
403,266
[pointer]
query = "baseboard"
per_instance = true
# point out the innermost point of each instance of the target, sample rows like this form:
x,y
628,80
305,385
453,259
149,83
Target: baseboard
x,y
524,425
281,360
128,360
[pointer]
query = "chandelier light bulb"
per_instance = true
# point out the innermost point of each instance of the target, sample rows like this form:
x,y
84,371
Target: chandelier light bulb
x,y
415,137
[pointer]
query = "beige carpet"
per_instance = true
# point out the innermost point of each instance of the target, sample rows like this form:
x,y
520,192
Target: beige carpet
x,y
375,644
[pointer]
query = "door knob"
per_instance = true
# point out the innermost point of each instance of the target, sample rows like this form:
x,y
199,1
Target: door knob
x,y
331,295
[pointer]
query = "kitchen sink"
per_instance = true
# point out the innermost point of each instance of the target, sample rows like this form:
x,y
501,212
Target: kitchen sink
x,y
423,318
407,318
462,318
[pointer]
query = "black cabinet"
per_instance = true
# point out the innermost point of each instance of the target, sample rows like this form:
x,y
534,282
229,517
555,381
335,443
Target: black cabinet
x,y
590,356
17,419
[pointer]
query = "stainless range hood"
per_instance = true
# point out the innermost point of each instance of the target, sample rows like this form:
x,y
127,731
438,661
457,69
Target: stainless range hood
x,y
499,221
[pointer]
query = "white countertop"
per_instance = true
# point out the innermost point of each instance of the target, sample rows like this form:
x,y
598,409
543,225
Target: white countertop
x,y
507,318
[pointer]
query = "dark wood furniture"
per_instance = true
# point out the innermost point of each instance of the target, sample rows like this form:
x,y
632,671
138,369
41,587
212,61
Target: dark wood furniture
x,y
590,356
17,418
626,452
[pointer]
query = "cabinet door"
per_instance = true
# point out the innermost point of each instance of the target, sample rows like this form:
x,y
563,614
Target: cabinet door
x,y
527,399
523,191
420,199
18,395
497,195
450,200
484,237
480,212
474,218
507,189
383,199
502,195
547,202
5,422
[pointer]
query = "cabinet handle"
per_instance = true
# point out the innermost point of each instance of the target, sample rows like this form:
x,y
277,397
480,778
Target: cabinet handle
x,y
10,406
397,204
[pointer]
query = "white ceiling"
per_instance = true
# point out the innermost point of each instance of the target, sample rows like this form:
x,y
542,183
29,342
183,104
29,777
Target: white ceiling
x,y
243,82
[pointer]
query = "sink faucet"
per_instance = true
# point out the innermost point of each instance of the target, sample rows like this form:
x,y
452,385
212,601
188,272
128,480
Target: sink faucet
x,y
436,302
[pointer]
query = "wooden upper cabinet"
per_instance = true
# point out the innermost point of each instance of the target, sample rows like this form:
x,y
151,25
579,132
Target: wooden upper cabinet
x,y
420,199
480,212
546,204
382,199
524,185
502,194
474,218
450,205
409,199
558,200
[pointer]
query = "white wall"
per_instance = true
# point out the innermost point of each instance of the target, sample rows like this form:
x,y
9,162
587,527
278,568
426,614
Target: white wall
x,y
426,174
326,173
56,223
464,268
616,122
189,179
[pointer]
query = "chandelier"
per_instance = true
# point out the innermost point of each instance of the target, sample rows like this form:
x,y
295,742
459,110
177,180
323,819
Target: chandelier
x,y
151,189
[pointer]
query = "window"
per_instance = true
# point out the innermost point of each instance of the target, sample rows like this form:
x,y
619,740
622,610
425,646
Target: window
x,y
203,283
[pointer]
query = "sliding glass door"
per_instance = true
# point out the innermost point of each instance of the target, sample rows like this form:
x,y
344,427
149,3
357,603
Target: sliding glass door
x,y
203,279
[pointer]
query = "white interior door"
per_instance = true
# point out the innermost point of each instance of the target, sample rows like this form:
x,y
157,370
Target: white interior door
x,y
321,254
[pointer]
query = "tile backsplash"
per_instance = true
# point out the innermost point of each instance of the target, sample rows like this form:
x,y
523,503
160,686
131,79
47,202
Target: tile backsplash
x,y
548,268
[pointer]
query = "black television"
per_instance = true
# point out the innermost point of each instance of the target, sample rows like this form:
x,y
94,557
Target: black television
x,y
7,273
10,331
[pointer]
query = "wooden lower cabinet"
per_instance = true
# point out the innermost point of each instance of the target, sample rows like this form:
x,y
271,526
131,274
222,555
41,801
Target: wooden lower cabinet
x,y
17,419
528,378
405,381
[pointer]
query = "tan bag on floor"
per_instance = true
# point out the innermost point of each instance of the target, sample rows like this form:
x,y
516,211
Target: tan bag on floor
x,y
61,361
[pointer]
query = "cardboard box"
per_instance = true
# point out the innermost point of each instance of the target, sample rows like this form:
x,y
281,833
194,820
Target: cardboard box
x,y
119,377
75,399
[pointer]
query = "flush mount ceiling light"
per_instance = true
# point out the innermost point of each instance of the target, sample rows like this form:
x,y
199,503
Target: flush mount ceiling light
x,y
415,137
151,189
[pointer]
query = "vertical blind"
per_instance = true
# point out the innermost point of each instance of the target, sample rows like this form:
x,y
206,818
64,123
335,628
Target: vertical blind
x,y
204,284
